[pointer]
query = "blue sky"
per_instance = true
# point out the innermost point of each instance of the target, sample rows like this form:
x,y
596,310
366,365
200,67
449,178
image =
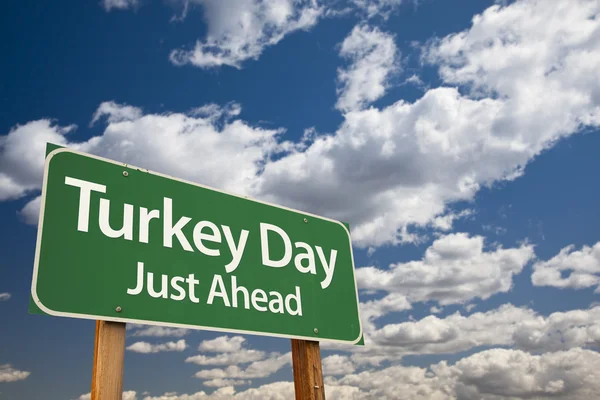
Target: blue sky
x,y
458,138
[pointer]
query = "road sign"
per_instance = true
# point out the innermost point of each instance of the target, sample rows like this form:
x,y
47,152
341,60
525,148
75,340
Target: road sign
x,y
120,243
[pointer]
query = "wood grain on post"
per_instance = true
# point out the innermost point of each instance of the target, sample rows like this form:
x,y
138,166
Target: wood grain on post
x,y
109,357
308,373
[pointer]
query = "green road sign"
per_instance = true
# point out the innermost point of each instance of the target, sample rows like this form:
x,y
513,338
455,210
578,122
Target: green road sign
x,y
120,243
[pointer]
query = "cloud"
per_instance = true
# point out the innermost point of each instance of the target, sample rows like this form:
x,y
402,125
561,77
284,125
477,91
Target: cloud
x,y
5,296
454,269
373,57
271,391
146,348
507,325
257,369
582,266
22,156
161,331
239,30
374,309
525,76
381,8
222,344
127,395
119,4
241,356
490,374
337,365
117,113
9,374
225,382
31,212
170,143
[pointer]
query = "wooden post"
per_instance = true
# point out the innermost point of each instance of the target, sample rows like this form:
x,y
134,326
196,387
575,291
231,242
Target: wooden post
x,y
109,357
308,372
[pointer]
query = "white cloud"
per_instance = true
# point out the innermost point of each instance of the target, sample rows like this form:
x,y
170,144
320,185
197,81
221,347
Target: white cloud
x,y
161,331
225,382
221,394
271,391
373,57
532,69
119,4
9,374
582,266
22,156
241,356
527,73
169,143
127,395
490,374
239,30
455,269
116,113
337,365
373,309
222,344
381,8
5,296
257,369
145,347
508,325
512,373
31,212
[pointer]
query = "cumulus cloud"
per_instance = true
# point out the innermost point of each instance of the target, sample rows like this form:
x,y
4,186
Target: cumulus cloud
x,y
258,369
490,374
222,344
271,391
570,268
170,143
337,365
22,156
374,309
5,296
119,4
507,325
161,331
225,382
381,8
455,269
10,374
30,214
373,59
239,30
527,74
146,348
127,395
241,356
117,113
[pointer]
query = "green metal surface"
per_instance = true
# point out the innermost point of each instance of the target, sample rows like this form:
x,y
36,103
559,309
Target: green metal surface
x,y
87,274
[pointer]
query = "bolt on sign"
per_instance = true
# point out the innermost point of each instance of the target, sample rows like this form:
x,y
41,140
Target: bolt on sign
x,y
120,243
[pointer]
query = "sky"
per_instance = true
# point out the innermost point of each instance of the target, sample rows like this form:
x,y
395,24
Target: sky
x,y
459,139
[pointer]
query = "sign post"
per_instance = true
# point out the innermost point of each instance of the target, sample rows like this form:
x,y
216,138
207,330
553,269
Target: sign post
x,y
109,355
308,370
117,243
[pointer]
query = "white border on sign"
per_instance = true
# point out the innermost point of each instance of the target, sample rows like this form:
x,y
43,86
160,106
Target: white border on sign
x,y
139,321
